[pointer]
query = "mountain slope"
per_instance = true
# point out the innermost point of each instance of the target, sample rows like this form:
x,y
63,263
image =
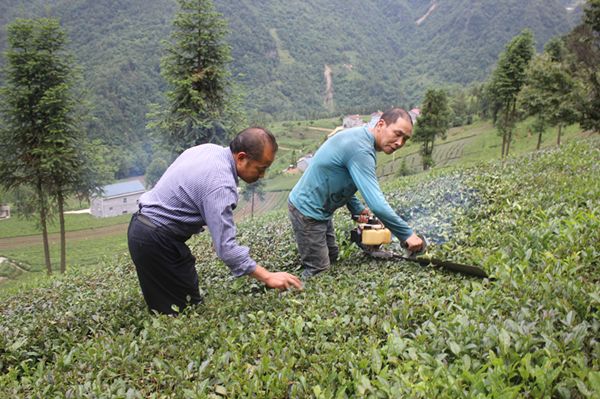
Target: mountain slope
x,y
378,53
373,53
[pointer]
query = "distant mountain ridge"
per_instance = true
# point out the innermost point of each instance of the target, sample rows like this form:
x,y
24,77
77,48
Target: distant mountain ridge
x,y
296,59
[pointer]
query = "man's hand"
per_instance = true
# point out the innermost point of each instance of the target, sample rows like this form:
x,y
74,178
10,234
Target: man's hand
x,y
279,280
364,216
414,243
283,281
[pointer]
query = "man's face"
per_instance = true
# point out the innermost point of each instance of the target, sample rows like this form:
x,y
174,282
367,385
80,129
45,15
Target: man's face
x,y
388,138
250,170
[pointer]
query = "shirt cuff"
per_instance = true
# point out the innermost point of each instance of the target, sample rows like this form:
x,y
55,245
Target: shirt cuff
x,y
244,268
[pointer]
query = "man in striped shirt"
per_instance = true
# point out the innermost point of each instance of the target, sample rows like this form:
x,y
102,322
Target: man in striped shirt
x,y
198,190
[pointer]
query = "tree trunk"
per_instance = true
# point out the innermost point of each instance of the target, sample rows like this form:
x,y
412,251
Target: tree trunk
x,y
431,151
505,131
426,155
539,143
43,223
559,133
63,245
510,126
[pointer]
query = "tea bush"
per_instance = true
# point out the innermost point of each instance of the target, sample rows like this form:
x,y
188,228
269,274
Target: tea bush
x,y
365,328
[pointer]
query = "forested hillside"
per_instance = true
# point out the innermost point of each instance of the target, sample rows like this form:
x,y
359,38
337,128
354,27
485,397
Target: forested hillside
x,y
380,52
373,54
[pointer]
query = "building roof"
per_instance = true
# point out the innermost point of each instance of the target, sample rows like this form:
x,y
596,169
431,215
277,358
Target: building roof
x,y
124,188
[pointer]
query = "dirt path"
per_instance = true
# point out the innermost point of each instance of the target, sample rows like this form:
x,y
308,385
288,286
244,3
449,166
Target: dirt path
x,y
321,129
25,241
271,201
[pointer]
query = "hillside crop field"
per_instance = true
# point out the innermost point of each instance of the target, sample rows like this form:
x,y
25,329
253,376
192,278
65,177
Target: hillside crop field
x,y
366,328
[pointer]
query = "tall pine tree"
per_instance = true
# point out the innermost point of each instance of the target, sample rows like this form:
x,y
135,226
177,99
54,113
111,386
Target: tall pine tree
x,y
202,104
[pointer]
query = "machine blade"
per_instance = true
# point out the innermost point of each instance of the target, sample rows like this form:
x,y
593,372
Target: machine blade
x,y
470,270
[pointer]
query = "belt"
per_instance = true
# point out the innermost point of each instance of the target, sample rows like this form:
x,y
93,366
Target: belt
x,y
172,231
145,220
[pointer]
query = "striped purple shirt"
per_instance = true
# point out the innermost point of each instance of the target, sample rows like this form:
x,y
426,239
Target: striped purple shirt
x,y
200,189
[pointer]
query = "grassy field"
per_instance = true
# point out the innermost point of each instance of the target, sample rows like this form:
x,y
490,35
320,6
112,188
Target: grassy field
x,y
80,252
16,227
468,145
90,240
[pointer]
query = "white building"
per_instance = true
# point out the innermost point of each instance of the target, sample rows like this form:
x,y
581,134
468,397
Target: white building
x,y
117,199
4,211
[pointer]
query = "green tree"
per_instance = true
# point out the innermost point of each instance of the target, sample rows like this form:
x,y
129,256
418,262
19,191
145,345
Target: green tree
x,y
98,167
459,105
252,190
202,104
592,17
39,124
155,170
433,122
556,50
565,90
547,95
583,44
506,82
293,158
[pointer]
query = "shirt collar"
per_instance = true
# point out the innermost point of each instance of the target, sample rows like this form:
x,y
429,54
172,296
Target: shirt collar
x,y
232,164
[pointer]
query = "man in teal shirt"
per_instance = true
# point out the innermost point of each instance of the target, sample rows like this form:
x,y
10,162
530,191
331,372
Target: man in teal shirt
x,y
344,164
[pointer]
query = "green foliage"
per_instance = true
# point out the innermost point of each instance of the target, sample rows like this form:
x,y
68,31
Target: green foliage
x,y
364,329
592,15
403,170
583,44
506,82
97,168
280,51
556,50
41,135
433,122
200,102
155,170
548,93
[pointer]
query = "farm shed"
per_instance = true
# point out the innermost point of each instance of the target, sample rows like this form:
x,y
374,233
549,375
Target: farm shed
x,y
117,199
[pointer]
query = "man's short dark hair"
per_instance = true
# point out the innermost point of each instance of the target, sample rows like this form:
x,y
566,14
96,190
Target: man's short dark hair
x,y
252,141
391,116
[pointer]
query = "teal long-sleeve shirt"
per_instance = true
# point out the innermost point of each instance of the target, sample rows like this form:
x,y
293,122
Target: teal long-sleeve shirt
x,y
344,164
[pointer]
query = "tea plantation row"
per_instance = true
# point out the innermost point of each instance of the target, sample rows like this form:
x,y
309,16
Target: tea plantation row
x,y
366,328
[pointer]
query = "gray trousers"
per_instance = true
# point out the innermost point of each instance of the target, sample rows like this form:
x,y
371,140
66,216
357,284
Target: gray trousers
x,y
315,240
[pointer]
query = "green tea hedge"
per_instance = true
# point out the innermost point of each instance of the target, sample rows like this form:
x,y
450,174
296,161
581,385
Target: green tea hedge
x,y
366,328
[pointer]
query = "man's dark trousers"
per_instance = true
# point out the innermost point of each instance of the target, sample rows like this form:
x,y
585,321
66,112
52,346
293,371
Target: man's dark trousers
x,y
165,266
